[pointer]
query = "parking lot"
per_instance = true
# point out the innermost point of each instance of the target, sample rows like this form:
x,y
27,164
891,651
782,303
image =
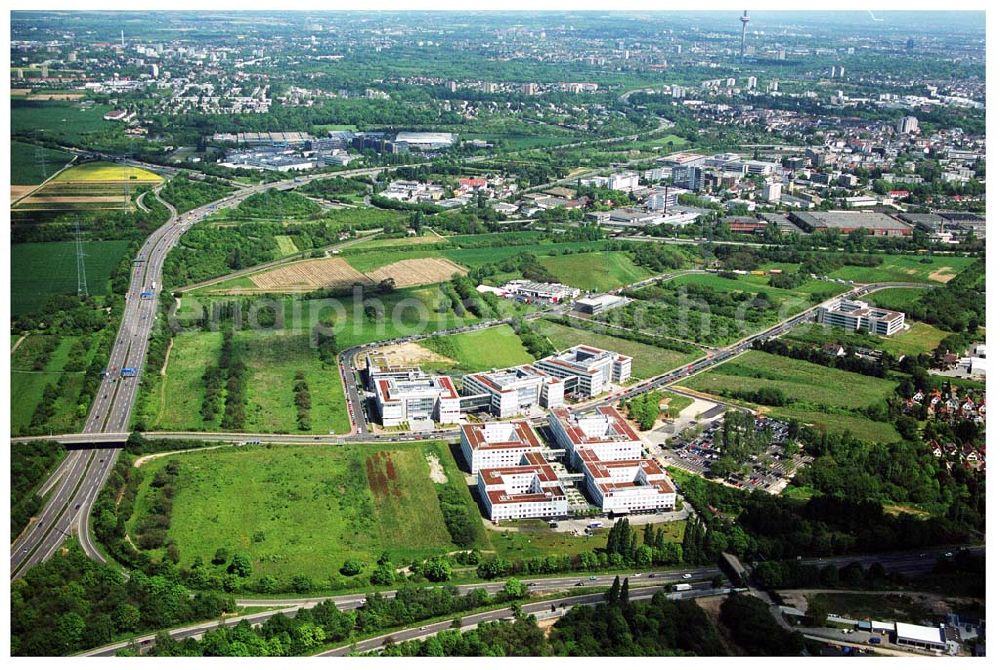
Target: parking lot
x,y
769,470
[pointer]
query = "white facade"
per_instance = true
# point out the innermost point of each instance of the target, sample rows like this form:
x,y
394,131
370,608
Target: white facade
x,y
498,445
588,371
527,491
859,315
418,397
603,431
627,486
515,391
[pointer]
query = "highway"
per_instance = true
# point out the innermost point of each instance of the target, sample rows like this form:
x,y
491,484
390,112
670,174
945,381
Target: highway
x,y
81,476
642,586
355,600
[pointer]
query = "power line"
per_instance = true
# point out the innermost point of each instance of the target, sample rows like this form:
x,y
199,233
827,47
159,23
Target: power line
x,y
81,270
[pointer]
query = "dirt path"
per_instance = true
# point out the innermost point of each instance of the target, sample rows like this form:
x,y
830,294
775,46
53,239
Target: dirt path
x,y
142,460
166,358
18,343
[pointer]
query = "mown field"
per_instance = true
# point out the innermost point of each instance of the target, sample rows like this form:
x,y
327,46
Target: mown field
x,y
907,268
273,359
39,270
598,271
826,397
305,510
64,121
479,350
30,164
899,299
920,338
647,360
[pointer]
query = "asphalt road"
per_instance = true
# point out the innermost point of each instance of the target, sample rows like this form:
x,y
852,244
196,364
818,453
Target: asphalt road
x,y
353,601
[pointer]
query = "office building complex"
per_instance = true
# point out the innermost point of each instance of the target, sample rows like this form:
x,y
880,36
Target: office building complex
x,y
603,431
526,491
858,315
587,371
626,486
497,445
515,390
414,396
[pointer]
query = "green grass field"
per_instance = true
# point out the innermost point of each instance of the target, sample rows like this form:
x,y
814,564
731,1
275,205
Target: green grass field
x,y
63,121
907,268
920,338
41,269
28,384
409,311
598,271
286,245
791,300
30,164
899,299
305,510
647,360
827,405
480,350
175,401
800,380
273,359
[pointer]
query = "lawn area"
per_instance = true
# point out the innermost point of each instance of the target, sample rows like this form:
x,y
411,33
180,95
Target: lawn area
x,y
480,350
899,299
919,338
286,245
305,510
64,121
598,271
907,268
31,164
648,361
41,269
376,242
101,171
535,540
754,370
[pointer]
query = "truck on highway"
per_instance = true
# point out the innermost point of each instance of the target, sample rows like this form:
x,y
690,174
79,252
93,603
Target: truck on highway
x,y
682,587
129,372
146,295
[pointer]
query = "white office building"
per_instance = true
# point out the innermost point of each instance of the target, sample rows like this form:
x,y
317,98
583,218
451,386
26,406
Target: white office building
x,y
626,486
527,491
587,371
604,431
498,445
514,391
859,315
416,397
